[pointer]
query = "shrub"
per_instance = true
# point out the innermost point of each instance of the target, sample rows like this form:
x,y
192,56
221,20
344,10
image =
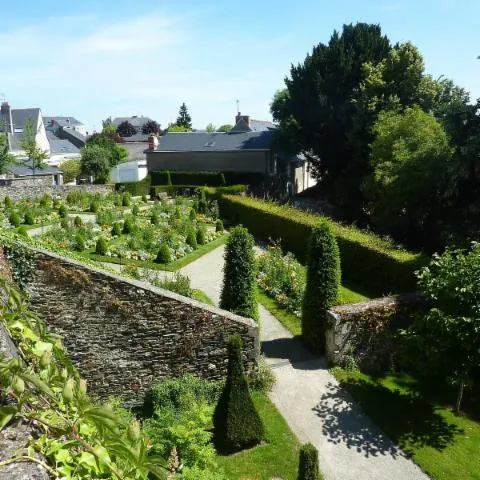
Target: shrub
x,y
144,199
193,214
164,255
129,226
45,200
116,229
79,243
191,239
14,219
93,207
201,236
179,284
65,224
202,206
135,188
237,424
126,199
367,260
135,210
239,275
264,379
8,202
195,205
62,211
29,218
22,231
177,214
155,219
219,226
78,221
323,283
101,247
308,463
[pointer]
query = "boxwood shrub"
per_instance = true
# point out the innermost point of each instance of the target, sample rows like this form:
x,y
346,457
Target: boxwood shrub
x,y
366,260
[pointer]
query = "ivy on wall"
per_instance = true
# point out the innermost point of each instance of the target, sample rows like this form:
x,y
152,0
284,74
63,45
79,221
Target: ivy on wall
x,y
21,260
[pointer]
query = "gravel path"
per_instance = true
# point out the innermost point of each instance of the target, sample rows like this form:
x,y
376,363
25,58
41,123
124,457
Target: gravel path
x,y
350,446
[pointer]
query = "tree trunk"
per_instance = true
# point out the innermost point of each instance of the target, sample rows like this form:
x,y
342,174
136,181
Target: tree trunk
x,y
459,397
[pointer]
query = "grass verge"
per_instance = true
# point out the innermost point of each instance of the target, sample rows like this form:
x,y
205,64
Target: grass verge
x,y
278,458
417,418
202,297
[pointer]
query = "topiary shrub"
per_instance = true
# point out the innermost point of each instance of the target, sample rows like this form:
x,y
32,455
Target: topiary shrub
x,y
191,239
201,236
135,210
219,226
155,219
14,219
93,207
202,206
239,275
323,283
116,229
57,203
29,218
308,463
23,231
164,255
236,422
8,202
79,243
144,199
62,211
45,200
192,215
101,247
65,223
77,221
126,199
129,226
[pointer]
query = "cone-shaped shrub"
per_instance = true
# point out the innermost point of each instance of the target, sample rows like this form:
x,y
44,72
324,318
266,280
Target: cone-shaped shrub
x,y
29,218
219,226
101,246
62,211
202,206
164,255
201,236
178,214
323,282
22,231
14,219
65,223
144,199
135,210
237,424
129,226
117,229
93,207
126,199
193,214
79,243
77,221
308,463
45,200
239,275
192,239
8,202
155,219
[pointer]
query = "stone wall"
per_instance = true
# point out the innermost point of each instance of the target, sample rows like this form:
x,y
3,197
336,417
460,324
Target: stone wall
x,y
366,331
123,335
31,187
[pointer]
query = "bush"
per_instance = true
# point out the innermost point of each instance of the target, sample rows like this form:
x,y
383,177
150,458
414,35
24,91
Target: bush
x,y
29,218
237,424
191,239
126,199
135,210
129,226
212,193
14,219
201,236
79,243
264,379
202,206
239,275
155,219
308,463
62,211
164,255
93,207
144,198
45,200
70,169
179,284
8,202
65,224
101,247
135,188
22,231
367,260
219,226
323,283
116,229
78,221
192,215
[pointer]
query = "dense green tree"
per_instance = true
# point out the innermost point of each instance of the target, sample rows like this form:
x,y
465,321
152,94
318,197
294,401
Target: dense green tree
x,y
151,127
126,129
239,274
116,153
225,128
308,468
237,424
173,128
184,119
35,155
71,170
95,162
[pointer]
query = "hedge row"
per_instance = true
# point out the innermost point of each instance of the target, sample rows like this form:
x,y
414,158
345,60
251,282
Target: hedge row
x,y
211,193
210,179
366,260
135,188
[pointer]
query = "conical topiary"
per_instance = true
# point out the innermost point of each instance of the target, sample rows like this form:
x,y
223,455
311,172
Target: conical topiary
x,y
308,463
201,236
101,247
164,255
192,238
237,424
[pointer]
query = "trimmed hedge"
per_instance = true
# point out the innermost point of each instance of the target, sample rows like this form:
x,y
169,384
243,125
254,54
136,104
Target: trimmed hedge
x,y
366,259
308,468
212,193
209,179
136,189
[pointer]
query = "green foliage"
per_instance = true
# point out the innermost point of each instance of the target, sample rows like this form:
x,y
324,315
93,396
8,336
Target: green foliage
x,y
193,214
178,129
65,223
225,128
135,188
155,219
79,243
71,170
22,231
116,229
144,199
7,201
164,255
169,178
114,152
62,211
21,260
189,178
308,468
6,158
151,127
101,247
239,275
192,238
94,207
184,119
264,380
45,200
14,219
237,424
219,226
202,206
126,199
129,225
29,218
179,284
201,235
210,128
135,210
126,129
95,162
77,221
377,265
323,282
223,182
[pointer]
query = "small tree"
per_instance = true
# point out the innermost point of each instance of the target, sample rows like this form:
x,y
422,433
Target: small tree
x,y
164,255
184,119
323,282
126,129
225,128
70,169
308,463
29,218
201,236
151,127
101,247
95,162
34,153
6,158
219,226
239,275
449,333
192,238
237,424
210,128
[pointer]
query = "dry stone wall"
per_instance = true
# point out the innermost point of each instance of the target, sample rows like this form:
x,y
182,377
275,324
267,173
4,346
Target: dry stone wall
x,y
123,335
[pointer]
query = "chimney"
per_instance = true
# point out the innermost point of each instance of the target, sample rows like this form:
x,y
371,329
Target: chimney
x,y
152,142
6,117
245,118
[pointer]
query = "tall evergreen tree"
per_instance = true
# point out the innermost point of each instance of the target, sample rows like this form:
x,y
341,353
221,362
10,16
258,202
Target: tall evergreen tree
x,y
184,119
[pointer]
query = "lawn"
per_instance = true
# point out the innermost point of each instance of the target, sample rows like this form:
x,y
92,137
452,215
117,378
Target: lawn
x,y
419,419
277,458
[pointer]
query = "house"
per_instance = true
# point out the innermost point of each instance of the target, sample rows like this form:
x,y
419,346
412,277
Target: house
x,y
137,122
66,123
247,148
52,175
61,150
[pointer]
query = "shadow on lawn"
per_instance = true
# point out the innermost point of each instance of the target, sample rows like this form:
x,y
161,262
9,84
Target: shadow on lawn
x,y
407,419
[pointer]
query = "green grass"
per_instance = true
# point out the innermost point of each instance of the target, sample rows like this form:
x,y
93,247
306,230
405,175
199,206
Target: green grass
x,y
201,297
277,458
346,295
419,419
170,267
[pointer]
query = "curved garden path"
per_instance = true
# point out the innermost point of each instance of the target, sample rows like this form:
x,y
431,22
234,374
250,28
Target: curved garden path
x,y
350,446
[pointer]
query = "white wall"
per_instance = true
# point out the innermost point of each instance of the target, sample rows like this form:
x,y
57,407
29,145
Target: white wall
x,y
129,171
41,136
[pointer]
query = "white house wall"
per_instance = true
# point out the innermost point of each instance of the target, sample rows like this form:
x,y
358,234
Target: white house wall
x,y
129,172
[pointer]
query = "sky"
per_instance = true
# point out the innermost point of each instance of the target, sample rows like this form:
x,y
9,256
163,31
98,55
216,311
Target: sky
x,y
93,59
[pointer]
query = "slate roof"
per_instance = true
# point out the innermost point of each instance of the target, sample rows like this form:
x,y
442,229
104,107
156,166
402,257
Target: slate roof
x,y
25,169
62,121
60,146
20,116
214,142
138,137
136,121
261,125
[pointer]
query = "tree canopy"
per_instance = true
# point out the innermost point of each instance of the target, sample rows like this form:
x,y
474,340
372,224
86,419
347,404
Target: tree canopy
x,y
225,128
184,119
116,153
95,162
151,127
126,129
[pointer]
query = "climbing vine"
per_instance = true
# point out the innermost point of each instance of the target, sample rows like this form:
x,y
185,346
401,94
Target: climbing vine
x,y
21,260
